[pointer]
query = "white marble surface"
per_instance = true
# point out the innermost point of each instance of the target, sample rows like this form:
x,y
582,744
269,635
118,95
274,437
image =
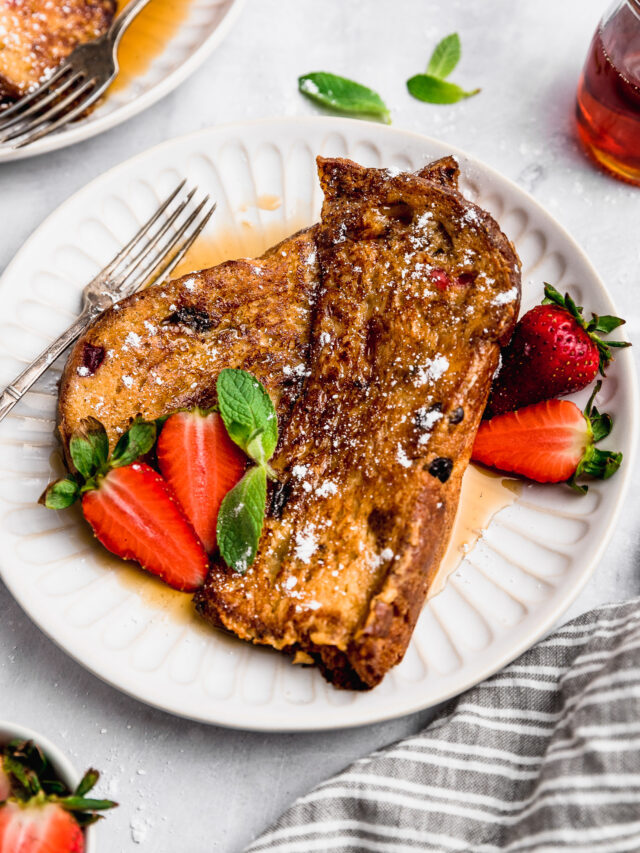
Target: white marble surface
x,y
189,787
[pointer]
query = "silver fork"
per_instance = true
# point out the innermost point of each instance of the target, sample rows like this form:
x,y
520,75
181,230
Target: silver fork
x,y
73,86
148,258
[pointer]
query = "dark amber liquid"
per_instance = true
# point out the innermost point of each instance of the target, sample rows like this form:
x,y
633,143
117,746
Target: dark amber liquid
x,y
608,103
147,37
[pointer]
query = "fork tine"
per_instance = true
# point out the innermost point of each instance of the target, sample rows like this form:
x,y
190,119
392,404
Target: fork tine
x,y
161,255
115,262
151,243
39,104
67,117
25,100
163,273
59,108
166,225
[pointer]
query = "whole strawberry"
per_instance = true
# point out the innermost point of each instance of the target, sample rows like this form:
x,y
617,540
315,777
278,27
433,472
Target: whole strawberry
x,y
553,352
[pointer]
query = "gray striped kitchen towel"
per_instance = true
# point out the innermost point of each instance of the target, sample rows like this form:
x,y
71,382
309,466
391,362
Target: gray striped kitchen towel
x,y
544,757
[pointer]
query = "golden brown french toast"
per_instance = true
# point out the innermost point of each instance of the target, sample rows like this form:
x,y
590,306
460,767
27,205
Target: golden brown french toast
x,y
418,289
162,349
36,35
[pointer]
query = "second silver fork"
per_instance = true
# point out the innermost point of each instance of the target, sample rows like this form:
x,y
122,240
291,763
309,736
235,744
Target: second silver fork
x,y
149,258
72,88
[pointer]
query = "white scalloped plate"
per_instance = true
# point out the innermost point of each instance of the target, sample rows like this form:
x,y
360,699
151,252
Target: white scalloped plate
x,y
171,59
524,572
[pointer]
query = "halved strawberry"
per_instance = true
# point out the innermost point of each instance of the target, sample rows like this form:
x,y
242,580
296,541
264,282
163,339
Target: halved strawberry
x,y
130,507
134,515
38,826
550,442
201,464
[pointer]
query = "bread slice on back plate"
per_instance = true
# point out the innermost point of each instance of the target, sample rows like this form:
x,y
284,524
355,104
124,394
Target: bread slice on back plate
x,y
163,348
35,36
418,289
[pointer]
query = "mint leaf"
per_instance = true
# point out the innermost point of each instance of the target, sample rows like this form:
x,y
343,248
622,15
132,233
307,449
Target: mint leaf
x,y
248,414
138,440
424,87
61,494
342,94
445,57
89,447
240,520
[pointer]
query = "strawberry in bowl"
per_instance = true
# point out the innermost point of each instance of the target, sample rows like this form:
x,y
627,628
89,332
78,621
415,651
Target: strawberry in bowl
x,y
44,806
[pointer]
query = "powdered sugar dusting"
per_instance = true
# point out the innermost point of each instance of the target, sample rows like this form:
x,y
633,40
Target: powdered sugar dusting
x,y
402,457
506,297
327,488
306,544
432,369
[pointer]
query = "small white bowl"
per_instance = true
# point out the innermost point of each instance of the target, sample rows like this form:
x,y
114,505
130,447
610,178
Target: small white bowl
x,y
60,763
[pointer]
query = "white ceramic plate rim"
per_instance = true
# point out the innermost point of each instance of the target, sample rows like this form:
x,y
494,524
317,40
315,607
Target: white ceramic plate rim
x,y
100,123
348,717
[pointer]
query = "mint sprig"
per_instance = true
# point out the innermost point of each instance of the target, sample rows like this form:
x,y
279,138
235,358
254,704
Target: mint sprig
x,y
240,520
251,421
344,95
445,57
248,414
432,87
89,451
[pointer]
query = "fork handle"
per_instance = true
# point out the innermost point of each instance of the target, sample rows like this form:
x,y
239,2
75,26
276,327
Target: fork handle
x,y
125,17
21,384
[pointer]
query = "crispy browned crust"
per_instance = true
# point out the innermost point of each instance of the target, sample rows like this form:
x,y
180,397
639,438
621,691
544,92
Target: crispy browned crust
x,y
371,460
162,348
39,34
259,317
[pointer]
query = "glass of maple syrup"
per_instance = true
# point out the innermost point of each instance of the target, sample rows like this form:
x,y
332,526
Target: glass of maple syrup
x,y
608,101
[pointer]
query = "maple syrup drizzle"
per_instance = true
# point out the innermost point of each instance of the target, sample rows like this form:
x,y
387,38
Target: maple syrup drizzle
x,y
147,37
483,494
226,244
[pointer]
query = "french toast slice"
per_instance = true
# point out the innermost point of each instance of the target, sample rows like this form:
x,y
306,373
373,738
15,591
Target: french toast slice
x,y
162,348
418,289
36,35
